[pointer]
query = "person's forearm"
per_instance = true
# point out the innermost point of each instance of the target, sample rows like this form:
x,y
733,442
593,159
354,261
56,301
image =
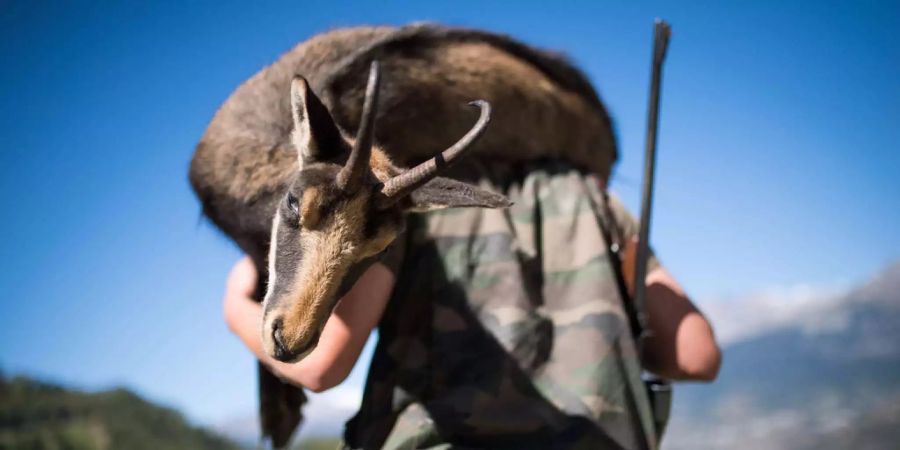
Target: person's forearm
x,y
244,318
343,337
680,343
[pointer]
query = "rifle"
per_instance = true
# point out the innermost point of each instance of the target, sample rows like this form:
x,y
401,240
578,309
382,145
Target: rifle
x,y
659,391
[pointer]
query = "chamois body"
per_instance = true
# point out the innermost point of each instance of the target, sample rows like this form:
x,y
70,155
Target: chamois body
x,y
281,175
543,107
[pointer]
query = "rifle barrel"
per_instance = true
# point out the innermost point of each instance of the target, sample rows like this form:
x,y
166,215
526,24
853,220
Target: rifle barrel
x,y
662,32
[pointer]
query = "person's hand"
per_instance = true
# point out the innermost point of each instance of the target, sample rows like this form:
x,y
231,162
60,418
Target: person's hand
x,y
243,277
343,337
239,290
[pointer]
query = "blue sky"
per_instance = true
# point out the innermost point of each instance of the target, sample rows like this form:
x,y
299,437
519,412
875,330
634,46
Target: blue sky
x,y
778,161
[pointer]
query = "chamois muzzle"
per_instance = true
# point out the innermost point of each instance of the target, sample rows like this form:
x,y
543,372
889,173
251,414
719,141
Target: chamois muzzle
x,y
282,353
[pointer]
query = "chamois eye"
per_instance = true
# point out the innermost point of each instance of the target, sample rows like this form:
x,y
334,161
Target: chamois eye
x,y
292,204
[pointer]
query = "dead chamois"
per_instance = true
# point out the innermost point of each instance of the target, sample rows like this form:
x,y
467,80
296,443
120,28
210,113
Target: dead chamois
x,y
345,206
278,171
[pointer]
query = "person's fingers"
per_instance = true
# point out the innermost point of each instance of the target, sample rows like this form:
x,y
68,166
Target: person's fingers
x,y
242,279
239,289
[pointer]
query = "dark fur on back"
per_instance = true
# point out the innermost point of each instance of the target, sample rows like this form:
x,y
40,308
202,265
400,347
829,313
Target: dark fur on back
x,y
554,65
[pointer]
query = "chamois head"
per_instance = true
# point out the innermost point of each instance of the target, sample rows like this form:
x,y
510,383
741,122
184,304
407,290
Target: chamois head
x,y
344,208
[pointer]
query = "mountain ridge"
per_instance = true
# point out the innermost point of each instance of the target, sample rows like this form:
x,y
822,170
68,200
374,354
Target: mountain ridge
x,y
800,384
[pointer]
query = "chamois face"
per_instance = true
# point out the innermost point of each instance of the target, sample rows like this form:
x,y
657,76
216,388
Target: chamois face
x,y
322,240
344,208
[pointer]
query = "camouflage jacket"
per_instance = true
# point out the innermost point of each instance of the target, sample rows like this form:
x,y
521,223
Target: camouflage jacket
x,y
506,330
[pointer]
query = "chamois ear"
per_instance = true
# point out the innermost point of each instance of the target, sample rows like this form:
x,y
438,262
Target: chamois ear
x,y
441,193
315,135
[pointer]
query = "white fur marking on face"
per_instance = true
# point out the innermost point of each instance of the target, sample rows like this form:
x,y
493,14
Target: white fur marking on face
x,y
272,244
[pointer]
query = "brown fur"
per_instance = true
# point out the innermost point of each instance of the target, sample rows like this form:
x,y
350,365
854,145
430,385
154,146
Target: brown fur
x,y
333,248
543,108
245,162
382,166
309,208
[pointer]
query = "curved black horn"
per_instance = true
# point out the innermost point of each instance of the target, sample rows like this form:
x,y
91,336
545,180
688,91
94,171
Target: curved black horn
x,y
354,170
401,185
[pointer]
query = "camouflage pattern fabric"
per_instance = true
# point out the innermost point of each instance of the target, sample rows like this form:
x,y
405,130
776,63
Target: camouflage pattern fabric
x,y
506,330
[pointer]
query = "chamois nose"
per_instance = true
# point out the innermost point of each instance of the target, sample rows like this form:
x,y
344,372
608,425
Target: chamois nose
x,y
282,353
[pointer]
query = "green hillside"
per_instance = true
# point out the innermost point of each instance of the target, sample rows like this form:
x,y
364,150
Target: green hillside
x,y
36,415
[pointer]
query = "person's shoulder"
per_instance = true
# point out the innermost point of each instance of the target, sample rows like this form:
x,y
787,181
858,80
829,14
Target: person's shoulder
x,y
625,220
